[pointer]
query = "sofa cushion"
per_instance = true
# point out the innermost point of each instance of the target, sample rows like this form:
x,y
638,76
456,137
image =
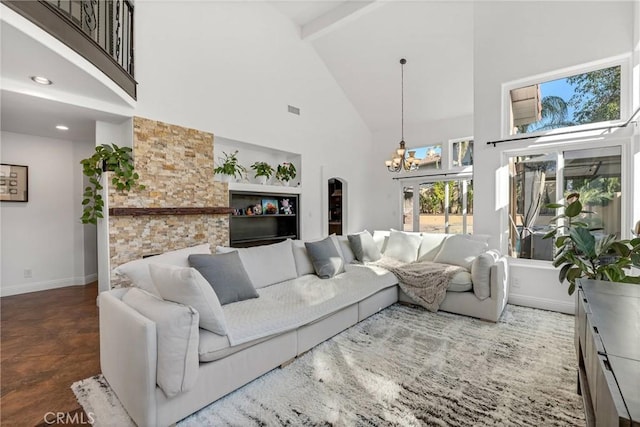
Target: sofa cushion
x,y
177,339
430,245
403,246
138,270
381,237
481,273
460,282
301,258
345,248
226,275
325,257
364,247
459,250
259,261
186,286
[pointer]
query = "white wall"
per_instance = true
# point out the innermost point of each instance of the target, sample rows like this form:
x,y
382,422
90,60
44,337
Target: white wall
x,y
515,40
45,235
385,203
231,68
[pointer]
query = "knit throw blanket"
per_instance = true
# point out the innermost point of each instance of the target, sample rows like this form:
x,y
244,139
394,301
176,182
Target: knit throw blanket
x,y
424,281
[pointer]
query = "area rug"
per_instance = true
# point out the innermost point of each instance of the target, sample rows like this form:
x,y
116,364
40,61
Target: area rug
x,y
405,366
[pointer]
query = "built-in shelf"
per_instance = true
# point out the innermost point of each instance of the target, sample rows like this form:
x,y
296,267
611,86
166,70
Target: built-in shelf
x,y
265,215
266,188
170,211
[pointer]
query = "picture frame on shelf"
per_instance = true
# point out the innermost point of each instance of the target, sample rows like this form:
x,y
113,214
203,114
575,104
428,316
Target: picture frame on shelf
x,y
269,206
14,183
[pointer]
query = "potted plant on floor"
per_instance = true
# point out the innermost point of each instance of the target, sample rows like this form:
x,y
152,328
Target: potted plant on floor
x,y
263,171
285,172
228,167
579,253
110,158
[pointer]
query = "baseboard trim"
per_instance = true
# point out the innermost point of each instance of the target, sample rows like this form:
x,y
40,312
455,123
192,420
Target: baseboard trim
x,y
25,288
543,303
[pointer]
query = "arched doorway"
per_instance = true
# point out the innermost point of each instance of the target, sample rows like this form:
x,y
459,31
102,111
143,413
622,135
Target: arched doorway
x,y
336,206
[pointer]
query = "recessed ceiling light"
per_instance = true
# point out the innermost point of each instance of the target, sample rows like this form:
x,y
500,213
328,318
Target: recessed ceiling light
x,y
62,127
41,80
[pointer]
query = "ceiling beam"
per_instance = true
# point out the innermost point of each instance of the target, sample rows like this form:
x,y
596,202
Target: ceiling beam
x,y
346,12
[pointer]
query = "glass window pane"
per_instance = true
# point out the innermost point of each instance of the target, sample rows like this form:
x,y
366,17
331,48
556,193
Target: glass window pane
x,y
532,186
430,156
462,153
407,209
596,174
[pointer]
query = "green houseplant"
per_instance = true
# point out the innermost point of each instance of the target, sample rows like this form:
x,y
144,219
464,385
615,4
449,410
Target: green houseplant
x,y
263,171
285,172
106,158
581,254
229,167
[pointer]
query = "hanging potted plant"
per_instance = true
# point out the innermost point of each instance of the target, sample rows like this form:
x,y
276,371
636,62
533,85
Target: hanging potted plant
x,y
581,254
263,171
110,158
228,167
285,172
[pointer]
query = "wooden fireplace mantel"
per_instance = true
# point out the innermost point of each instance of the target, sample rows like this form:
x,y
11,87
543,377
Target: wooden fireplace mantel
x,y
220,210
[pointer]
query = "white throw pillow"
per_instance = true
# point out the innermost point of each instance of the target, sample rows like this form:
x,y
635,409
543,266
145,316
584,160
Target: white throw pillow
x,y
269,264
481,273
187,286
403,246
430,245
381,237
177,335
459,250
138,270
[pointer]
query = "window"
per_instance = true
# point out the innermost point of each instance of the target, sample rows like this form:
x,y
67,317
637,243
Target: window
x,y
461,152
430,156
578,99
536,180
440,206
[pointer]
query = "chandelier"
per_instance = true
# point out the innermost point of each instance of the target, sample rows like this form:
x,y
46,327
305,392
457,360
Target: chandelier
x,y
401,159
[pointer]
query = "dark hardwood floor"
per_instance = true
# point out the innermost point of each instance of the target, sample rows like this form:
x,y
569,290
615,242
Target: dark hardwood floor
x,y
49,340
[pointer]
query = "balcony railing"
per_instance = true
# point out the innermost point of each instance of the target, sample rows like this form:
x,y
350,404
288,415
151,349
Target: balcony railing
x,y
99,30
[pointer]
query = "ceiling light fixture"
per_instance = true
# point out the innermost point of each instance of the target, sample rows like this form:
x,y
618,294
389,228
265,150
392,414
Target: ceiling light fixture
x,y
62,127
41,80
399,161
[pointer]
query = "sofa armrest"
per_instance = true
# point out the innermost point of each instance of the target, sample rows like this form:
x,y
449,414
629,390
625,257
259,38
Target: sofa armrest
x,y
500,283
128,357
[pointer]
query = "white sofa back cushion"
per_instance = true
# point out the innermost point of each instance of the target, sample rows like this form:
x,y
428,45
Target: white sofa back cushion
x,y
481,273
345,248
138,270
460,250
403,246
301,258
430,245
267,265
177,334
186,286
381,237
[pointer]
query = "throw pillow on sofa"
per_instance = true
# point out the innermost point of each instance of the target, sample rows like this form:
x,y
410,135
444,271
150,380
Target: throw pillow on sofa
x,y
403,246
177,338
459,250
226,275
430,245
326,257
364,247
138,270
268,264
186,286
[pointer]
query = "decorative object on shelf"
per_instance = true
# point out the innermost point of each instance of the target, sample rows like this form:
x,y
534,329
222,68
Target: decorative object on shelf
x,y
399,160
110,158
14,183
257,209
581,254
285,207
263,171
228,167
269,206
285,172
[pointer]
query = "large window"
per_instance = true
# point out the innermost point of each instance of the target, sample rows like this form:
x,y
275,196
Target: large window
x,y
439,206
590,97
536,180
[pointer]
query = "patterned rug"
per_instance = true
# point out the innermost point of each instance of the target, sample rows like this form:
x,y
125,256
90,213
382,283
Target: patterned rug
x,y
405,366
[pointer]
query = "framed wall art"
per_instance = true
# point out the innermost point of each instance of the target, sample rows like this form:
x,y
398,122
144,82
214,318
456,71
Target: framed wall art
x,y
14,183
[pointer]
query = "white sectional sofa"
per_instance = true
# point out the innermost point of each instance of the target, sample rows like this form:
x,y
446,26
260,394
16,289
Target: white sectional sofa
x,y
163,365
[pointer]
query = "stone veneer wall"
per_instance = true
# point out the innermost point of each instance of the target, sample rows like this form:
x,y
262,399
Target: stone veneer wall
x,y
176,166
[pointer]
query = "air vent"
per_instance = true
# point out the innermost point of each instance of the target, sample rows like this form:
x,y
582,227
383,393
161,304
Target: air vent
x,y
294,110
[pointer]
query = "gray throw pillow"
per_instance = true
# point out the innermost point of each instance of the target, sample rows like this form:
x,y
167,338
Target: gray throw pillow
x,y
226,275
364,247
325,257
